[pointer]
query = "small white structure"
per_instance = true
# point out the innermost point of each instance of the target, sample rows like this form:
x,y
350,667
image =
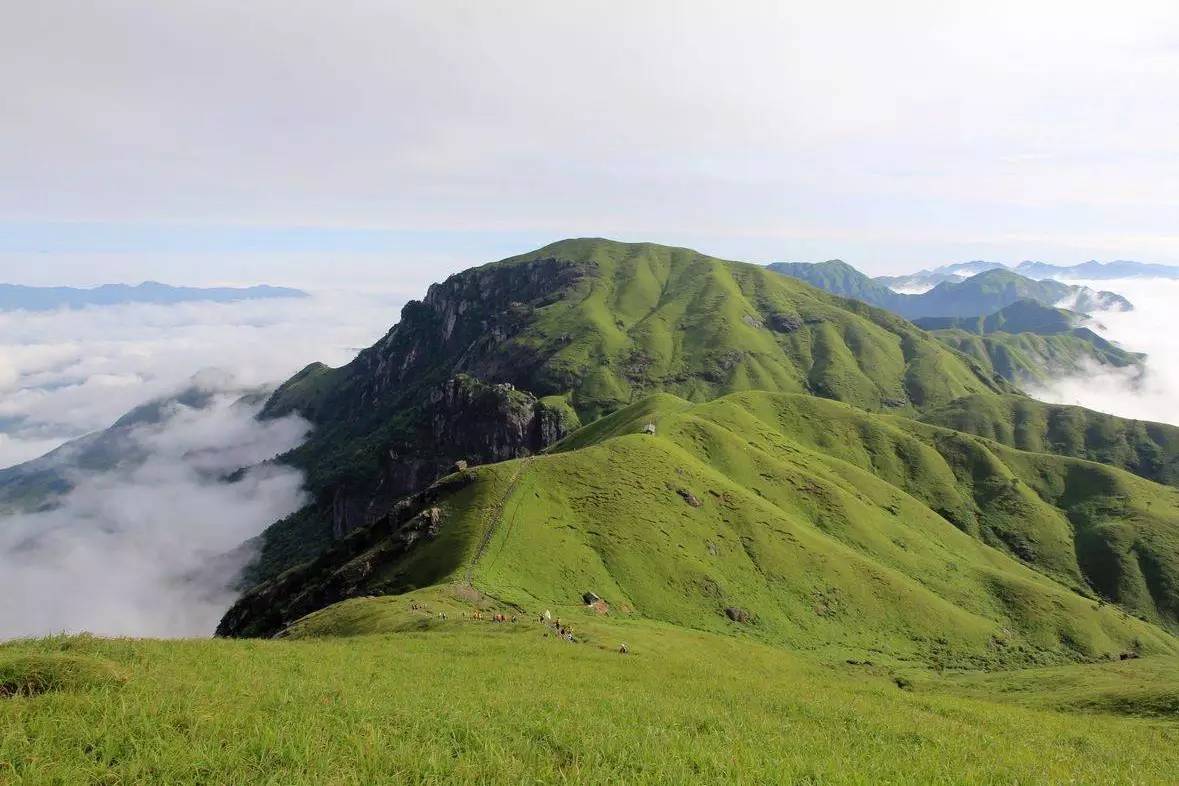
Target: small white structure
x,y
649,428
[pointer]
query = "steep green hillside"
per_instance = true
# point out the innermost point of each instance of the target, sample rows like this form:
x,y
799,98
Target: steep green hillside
x,y
983,293
814,524
992,290
578,329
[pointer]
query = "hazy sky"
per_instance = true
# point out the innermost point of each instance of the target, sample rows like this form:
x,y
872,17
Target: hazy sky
x,y
387,143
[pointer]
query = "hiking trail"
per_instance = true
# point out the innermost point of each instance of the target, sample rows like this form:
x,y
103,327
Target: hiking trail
x,y
493,515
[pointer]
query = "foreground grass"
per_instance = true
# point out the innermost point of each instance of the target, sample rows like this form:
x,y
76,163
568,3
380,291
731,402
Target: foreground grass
x,y
478,702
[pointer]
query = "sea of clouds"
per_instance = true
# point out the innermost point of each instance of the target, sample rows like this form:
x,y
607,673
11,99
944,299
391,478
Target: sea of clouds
x,y
152,545
1150,394
67,373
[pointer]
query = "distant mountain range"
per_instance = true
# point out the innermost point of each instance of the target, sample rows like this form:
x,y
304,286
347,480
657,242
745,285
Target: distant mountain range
x,y
14,297
980,294
1092,270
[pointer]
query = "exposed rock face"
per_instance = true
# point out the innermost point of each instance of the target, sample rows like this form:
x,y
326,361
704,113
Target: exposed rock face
x,y
785,323
469,315
464,418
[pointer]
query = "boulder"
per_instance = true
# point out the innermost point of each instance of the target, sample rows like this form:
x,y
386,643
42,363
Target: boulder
x,y
737,614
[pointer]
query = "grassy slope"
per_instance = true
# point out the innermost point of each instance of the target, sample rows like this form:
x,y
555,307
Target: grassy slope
x,y
1032,359
477,702
1022,316
1150,450
1027,343
830,525
815,517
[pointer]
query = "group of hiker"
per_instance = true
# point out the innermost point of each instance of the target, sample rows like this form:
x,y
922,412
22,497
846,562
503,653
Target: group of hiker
x,y
562,630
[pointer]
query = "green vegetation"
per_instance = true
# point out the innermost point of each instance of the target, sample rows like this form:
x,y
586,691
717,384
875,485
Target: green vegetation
x,y
1028,343
786,538
1150,450
835,529
597,325
1027,359
1022,316
839,278
398,696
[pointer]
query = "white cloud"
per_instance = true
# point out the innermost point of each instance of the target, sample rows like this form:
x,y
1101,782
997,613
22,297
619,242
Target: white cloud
x,y
151,547
67,373
1153,395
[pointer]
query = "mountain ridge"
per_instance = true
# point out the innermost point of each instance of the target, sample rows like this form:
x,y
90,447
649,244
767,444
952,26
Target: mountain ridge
x,y
978,295
15,297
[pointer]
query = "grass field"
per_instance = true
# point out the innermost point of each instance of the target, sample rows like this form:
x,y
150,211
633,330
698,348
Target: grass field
x,y
431,701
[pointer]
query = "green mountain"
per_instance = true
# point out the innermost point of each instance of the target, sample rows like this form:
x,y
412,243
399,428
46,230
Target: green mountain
x,y
980,294
839,278
1028,343
558,337
1022,316
992,290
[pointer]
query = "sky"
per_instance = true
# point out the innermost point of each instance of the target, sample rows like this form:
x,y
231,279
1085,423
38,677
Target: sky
x,y
381,145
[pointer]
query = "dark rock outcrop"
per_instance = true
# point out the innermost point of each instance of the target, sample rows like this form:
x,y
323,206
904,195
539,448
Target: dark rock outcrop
x,y
465,422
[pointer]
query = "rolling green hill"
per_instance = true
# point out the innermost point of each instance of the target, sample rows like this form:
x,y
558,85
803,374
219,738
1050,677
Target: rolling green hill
x,y
827,527
1022,316
558,337
1030,359
1150,450
1028,343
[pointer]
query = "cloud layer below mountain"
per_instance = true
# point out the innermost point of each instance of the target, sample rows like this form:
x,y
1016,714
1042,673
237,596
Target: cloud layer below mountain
x,y
1150,395
153,545
66,373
